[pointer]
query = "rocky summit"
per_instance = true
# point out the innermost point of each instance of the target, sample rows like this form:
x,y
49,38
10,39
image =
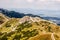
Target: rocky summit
x,y
28,28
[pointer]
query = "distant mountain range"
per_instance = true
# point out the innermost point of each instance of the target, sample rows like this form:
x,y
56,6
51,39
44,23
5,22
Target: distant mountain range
x,y
20,15
15,14
54,19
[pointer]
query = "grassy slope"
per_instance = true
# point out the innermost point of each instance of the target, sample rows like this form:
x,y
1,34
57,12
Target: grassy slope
x,y
43,30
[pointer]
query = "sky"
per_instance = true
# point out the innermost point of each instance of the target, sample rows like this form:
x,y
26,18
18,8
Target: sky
x,y
33,4
49,7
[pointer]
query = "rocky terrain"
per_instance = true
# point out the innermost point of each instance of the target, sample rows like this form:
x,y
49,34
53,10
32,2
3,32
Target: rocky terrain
x,y
28,28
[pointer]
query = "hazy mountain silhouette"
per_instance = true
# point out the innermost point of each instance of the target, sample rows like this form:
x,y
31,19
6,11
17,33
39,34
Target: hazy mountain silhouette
x,y
15,14
54,19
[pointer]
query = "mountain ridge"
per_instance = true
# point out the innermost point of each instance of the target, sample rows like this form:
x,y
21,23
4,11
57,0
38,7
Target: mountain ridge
x,y
20,15
28,28
15,14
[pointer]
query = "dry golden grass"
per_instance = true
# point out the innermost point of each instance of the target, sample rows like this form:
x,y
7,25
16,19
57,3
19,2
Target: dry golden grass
x,y
45,30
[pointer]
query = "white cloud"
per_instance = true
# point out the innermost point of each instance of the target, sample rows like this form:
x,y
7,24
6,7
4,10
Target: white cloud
x,y
35,4
30,1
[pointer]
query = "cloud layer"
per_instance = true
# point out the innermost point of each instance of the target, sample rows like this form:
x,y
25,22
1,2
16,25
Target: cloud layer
x,y
34,4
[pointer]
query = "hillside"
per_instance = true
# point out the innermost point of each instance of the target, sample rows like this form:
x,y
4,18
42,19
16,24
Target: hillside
x,y
28,28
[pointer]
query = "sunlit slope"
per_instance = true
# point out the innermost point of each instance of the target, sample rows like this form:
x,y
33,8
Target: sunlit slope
x,y
3,18
29,28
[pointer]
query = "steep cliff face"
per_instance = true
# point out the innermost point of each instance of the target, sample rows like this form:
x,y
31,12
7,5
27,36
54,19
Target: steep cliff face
x,y
28,28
